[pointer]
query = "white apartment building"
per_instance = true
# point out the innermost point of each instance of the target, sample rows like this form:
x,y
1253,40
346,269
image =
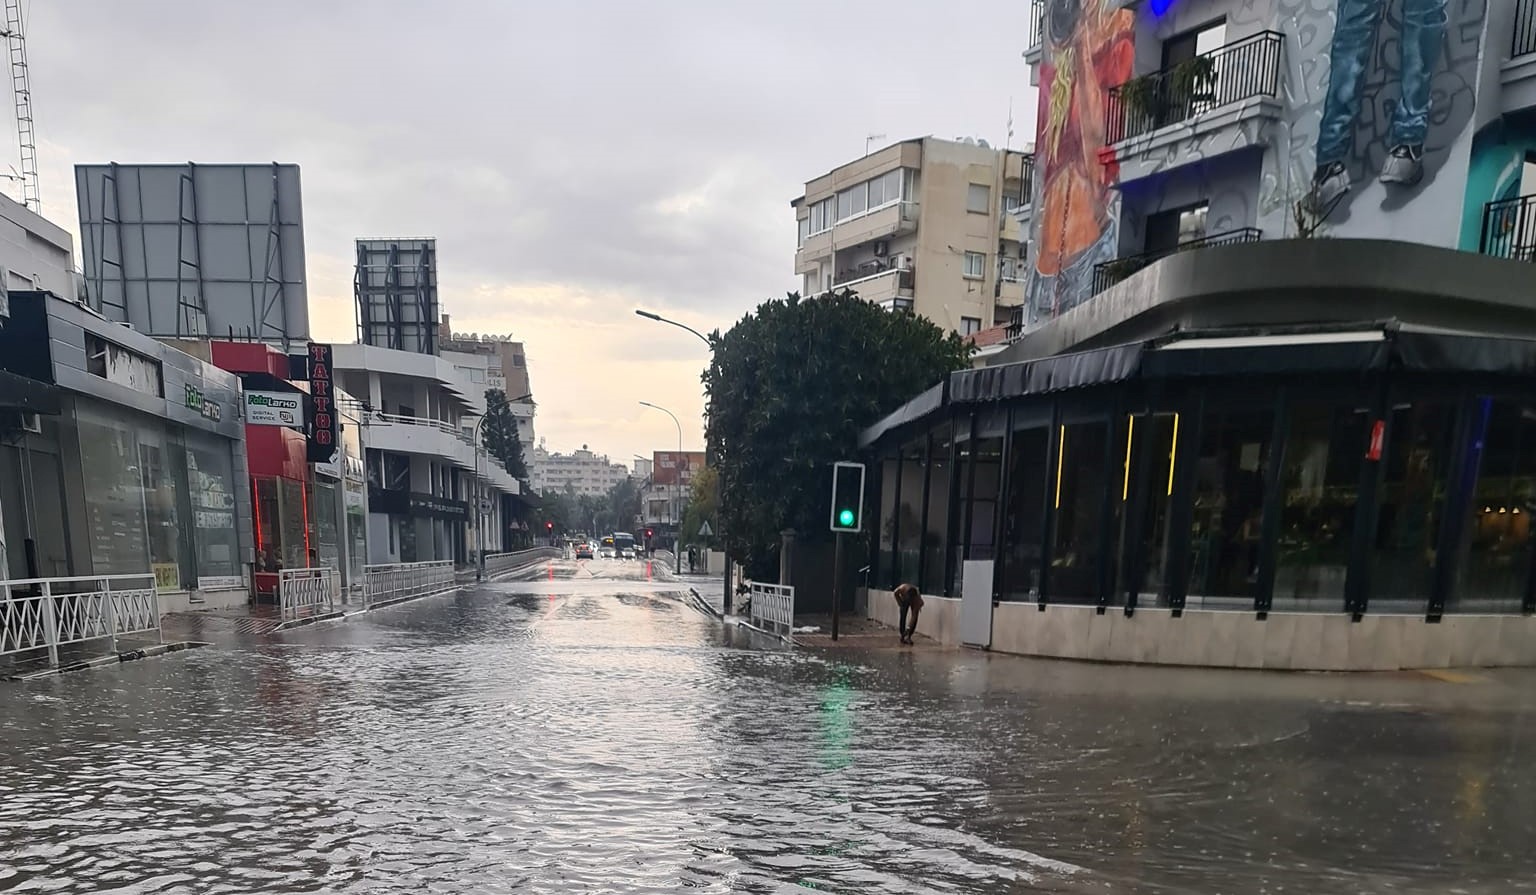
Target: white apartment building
x,y
483,370
419,436
924,226
583,471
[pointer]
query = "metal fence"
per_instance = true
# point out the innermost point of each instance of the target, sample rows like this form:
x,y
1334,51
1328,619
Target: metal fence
x,y
313,591
498,563
1509,228
1111,273
1240,70
46,613
772,606
404,580
1523,42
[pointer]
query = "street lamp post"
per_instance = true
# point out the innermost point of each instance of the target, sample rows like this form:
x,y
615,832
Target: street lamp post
x,y
677,486
719,518
480,483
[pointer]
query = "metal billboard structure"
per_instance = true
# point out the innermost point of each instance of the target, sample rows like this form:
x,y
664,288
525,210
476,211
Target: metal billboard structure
x,y
196,251
395,287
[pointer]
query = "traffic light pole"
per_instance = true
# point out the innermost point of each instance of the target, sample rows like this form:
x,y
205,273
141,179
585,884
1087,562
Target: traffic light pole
x,y
837,584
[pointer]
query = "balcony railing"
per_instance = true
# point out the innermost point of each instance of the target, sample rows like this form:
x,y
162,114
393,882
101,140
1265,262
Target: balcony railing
x,y
1240,70
1026,192
1523,42
1112,272
1015,325
1036,24
1509,228
854,279
395,419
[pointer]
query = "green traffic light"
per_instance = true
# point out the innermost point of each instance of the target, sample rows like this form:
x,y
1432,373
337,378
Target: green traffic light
x,y
845,518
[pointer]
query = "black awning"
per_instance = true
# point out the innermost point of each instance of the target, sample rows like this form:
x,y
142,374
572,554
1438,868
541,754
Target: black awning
x,y
1048,374
915,409
1327,357
28,395
1462,353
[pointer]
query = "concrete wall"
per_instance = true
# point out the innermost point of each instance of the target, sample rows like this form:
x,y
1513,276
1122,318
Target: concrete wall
x,y
1284,641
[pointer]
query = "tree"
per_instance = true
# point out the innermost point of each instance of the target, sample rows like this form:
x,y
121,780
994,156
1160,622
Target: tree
x,y
702,506
790,387
499,435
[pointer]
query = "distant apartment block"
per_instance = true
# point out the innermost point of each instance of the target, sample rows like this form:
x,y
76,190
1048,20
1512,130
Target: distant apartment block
x,y
927,226
582,471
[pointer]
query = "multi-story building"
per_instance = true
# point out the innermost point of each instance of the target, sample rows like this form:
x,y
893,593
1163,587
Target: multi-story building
x,y
1219,438
581,471
925,226
432,494
494,362
664,493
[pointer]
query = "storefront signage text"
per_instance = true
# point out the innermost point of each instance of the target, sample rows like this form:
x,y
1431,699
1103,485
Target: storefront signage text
x,y
274,409
322,408
208,408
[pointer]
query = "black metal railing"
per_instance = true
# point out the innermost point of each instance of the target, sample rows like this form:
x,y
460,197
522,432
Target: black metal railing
x,y
1036,23
1240,70
1026,183
1523,42
1110,273
1509,229
1015,325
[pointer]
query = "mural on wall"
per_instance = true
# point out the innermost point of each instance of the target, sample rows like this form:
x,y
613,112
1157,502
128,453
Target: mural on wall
x,y
1395,108
1088,47
1501,170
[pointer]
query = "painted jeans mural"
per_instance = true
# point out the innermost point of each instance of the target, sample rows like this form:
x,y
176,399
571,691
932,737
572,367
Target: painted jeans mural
x,y
1089,47
1418,47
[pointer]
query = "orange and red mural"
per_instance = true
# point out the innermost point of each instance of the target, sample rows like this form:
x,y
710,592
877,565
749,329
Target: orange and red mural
x,y
1088,47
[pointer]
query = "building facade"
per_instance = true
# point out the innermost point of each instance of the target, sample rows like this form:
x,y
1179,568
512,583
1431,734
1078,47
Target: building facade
x,y
664,493
926,226
581,471
1217,438
119,455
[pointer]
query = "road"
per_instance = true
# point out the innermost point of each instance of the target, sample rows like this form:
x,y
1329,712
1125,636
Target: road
x,y
585,731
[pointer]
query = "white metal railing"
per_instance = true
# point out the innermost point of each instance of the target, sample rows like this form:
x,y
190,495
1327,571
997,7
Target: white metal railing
x,y
46,613
404,580
426,422
497,563
307,591
772,606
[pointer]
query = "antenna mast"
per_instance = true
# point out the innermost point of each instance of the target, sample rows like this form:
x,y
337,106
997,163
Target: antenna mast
x,y
21,88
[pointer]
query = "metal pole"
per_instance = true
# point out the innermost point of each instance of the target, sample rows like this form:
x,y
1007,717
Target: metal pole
x,y
837,584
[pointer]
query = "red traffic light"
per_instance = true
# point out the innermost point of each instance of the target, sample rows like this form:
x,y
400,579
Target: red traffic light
x,y
550,526
649,533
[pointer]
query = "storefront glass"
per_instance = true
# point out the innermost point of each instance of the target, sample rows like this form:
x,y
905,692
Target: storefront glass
x,y
1494,566
357,532
211,504
937,528
1078,499
1025,513
1147,483
889,471
1228,513
1325,446
327,532
1411,505
116,507
909,518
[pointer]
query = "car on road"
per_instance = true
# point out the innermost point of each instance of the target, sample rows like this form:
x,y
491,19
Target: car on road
x,y
627,553
583,551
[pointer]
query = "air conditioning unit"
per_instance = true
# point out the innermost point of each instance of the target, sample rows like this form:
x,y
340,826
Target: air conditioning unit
x,y
882,248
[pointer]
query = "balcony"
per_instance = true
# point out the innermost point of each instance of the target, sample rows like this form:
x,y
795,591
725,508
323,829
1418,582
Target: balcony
x,y
1036,36
1509,229
1518,73
890,288
433,438
1209,95
1111,273
1011,277
881,222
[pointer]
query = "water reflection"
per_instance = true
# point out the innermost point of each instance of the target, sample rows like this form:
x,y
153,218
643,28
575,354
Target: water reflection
x,y
595,735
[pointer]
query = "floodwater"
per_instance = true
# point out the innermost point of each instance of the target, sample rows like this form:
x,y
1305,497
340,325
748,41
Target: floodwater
x,y
584,732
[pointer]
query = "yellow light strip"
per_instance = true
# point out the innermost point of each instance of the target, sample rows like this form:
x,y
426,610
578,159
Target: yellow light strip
x,y
1173,452
1061,453
1130,438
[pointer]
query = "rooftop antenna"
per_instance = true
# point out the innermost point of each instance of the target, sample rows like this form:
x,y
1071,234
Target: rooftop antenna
x,y
870,139
1008,142
21,88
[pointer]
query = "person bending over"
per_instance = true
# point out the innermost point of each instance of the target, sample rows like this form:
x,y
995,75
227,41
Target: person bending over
x,y
909,600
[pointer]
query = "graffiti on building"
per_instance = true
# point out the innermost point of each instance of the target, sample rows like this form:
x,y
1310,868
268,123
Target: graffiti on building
x,y
1088,47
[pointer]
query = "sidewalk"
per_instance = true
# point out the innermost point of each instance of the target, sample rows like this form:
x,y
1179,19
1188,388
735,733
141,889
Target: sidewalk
x,y
857,632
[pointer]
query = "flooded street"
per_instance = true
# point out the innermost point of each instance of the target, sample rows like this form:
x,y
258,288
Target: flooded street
x,y
585,731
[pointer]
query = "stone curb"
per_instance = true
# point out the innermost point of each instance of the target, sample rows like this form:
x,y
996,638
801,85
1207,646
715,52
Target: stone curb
x,y
157,649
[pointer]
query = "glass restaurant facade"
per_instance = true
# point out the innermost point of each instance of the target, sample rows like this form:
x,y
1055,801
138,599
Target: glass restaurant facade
x,y
1343,471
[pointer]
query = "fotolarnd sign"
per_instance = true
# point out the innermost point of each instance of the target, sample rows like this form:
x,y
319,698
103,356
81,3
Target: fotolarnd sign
x,y
274,409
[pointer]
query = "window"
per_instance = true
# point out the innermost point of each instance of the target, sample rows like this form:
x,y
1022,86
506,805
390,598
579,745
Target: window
x,y
1166,230
1230,473
805,230
969,325
978,198
1078,500
975,265
1318,483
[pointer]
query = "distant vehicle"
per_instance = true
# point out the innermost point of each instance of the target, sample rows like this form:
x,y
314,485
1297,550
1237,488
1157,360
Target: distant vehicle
x,y
584,550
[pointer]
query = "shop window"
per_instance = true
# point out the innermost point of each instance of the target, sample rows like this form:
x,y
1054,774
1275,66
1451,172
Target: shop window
x,y
1025,513
1416,459
1144,496
326,539
1226,531
1494,556
1319,485
1078,502
208,512
909,518
269,555
937,528
117,507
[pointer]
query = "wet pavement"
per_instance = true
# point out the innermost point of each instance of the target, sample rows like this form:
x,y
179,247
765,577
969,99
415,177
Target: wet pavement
x,y
587,731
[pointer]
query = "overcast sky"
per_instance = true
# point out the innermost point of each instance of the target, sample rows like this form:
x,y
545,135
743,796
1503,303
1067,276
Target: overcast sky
x,y
575,159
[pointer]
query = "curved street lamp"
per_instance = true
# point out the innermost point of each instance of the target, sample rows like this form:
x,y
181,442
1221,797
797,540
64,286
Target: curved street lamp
x,y
480,482
719,522
677,486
